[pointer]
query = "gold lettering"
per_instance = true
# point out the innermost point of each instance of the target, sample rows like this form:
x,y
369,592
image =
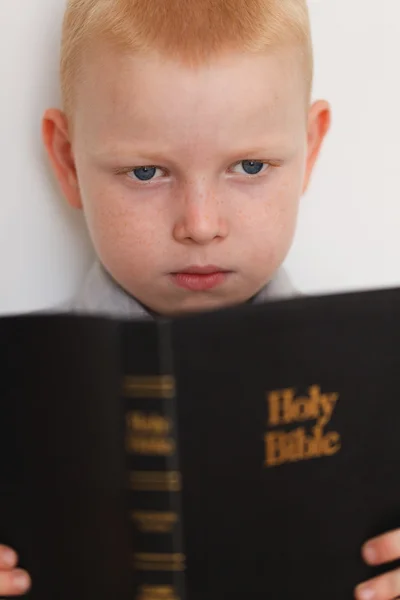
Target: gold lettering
x,y
328,403
147,434
146,561
311,445
274,399
155,481
150,446
282,447
332,444
272,450
158,386
141,422
290,410
157,592
285,408
308,407
154,522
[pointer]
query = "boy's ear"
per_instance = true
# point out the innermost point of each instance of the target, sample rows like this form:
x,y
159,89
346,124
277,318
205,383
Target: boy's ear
x,y
57,143
319,121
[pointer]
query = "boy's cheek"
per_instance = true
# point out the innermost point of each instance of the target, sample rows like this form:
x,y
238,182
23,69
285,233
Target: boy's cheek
x,y
125,244
125,229
120,239
107,215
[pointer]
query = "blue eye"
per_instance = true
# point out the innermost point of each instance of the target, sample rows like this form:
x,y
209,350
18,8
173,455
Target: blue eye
x,y
252,167
145,173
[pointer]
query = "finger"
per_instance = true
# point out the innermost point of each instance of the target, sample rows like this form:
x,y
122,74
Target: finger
x,y
384,587
14,583
382,549
8,558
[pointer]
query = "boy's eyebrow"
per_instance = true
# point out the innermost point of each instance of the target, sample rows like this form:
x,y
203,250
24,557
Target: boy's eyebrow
x,y
129,152
266,151
121,151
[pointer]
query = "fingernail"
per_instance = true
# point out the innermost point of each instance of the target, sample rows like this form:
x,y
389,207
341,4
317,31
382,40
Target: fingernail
x,y
21,581
365,593
370,554
9,558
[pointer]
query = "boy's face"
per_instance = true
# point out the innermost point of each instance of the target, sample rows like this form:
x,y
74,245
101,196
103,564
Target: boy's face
x,y
189,179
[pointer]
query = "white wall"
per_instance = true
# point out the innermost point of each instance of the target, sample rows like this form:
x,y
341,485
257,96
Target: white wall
x,y
43,250
347,236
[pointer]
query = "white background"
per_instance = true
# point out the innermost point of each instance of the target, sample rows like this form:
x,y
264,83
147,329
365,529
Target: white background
x,y
349,222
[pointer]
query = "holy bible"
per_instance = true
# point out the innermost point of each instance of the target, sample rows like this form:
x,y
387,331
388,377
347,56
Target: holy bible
x,y
243,453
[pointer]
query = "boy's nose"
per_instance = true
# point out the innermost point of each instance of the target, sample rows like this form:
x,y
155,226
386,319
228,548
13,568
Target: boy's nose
x,y
200,219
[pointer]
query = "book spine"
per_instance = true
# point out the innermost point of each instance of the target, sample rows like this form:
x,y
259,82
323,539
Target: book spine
x,y
151,446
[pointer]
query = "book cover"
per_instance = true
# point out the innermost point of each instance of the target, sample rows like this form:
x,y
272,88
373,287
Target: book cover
x,y
248,452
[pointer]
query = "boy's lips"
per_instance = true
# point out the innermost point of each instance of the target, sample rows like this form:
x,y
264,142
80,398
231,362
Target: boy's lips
x,y
199,279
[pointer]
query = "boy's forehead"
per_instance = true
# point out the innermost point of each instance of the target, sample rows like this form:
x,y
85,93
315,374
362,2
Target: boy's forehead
x,y
124,95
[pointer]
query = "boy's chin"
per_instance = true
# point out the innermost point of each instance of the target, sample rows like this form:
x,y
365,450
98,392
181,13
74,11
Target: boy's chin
x,y
197,305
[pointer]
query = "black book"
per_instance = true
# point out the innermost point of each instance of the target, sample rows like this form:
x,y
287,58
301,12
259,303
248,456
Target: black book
x,y
242,453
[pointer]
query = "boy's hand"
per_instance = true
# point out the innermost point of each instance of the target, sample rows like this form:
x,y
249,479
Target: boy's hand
x,y
13,581
380,550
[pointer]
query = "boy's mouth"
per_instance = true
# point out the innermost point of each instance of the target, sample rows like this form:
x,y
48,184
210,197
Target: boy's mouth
x,y
200,279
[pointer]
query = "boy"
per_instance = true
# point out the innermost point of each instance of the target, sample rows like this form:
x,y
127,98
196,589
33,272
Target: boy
x,y
187,138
